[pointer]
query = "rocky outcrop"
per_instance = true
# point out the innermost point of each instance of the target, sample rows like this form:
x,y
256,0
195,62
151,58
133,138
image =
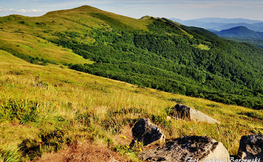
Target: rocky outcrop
x,y
251,147
188,148
187,113
144,131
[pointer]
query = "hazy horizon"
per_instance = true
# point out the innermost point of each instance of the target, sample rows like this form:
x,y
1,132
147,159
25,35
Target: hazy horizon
x,y
184,10
215,18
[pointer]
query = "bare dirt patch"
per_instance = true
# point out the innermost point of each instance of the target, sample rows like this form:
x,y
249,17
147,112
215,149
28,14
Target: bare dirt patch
x,y
125,137
91,152
83,152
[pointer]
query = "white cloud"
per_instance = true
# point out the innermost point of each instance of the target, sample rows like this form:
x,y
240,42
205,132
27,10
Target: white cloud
x,y
20,10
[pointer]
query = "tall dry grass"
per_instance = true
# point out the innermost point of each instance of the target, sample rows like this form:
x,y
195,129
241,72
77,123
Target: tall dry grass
x,y
63,106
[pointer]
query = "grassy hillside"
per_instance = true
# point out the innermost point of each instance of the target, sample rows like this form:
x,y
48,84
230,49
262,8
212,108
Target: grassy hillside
x,y
151,52
44,108
45,105
29,48
6,58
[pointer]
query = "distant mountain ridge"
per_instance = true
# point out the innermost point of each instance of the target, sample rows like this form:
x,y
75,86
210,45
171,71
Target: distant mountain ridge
x,y
218,24
240,32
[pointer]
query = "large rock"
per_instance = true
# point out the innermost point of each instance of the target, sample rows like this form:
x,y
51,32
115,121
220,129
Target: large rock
x,y
188,148
186,113
251,147
144,131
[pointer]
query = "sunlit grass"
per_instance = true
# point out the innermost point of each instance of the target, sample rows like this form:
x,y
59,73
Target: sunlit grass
x,y
202,47
37,47
83,106
7,58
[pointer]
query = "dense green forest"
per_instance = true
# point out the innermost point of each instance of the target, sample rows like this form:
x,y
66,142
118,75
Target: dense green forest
x,y
172,58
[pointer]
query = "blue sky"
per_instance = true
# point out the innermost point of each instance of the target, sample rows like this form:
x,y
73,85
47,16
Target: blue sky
x,y
182,9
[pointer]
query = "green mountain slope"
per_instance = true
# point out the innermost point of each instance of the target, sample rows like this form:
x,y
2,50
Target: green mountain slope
x,y
150,52
45,106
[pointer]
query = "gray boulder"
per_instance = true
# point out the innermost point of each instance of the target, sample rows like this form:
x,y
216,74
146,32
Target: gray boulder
x,y
186,113
144,131
251,147
188,148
